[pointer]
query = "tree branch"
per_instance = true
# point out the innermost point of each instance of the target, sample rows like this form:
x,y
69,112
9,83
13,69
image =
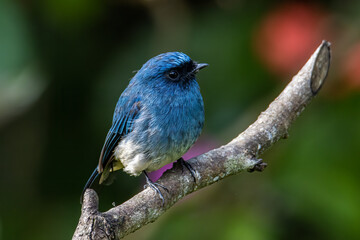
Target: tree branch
x,y
238,155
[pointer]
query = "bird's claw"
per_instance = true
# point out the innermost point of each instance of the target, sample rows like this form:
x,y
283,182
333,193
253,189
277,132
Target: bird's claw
x,y
155,186
187,165
259,166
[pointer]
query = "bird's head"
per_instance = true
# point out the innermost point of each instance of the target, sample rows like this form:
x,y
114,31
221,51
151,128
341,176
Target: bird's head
x,y
175,67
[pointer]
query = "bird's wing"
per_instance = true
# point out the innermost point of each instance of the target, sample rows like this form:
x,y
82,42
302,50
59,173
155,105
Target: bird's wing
x,y
126,113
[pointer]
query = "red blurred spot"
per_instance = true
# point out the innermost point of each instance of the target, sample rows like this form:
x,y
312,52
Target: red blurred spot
x,y
351,66
288,35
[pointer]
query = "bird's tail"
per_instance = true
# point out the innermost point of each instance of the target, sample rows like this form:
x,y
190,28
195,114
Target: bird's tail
x,y
88,184
110,168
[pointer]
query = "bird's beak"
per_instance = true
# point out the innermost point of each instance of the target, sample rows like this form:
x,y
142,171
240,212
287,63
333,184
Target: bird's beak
x,y
200,66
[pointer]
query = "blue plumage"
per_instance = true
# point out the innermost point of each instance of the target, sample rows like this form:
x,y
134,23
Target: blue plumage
x,y
157,118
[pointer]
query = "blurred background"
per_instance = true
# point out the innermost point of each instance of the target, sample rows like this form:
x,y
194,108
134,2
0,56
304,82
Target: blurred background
x,y
64,63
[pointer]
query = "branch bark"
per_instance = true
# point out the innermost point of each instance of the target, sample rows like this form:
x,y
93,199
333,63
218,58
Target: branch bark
x,y
239,155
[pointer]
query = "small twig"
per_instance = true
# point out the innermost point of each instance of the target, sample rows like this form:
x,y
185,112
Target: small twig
x,y
240,154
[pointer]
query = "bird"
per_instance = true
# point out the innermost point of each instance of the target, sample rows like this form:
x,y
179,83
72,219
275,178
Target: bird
x,y
157,118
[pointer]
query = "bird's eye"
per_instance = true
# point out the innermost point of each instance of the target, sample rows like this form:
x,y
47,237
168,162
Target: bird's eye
x,y
173,75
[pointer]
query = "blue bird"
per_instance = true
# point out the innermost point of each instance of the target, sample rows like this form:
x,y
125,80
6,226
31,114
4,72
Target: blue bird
x,y
157,118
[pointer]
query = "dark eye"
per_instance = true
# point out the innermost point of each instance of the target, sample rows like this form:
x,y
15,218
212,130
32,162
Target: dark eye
x,y
173,74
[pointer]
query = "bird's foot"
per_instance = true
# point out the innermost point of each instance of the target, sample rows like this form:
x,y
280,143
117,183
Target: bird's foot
x,y
187,165
259,166
155,186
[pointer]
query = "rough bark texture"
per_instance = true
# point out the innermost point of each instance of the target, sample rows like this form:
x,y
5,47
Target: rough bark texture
x,y
238,155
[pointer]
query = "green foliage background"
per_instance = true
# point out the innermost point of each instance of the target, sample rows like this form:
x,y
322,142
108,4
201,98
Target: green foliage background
x,y
63,65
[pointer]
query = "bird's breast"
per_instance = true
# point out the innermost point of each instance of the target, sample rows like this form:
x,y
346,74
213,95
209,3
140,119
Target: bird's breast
x,y
167,127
